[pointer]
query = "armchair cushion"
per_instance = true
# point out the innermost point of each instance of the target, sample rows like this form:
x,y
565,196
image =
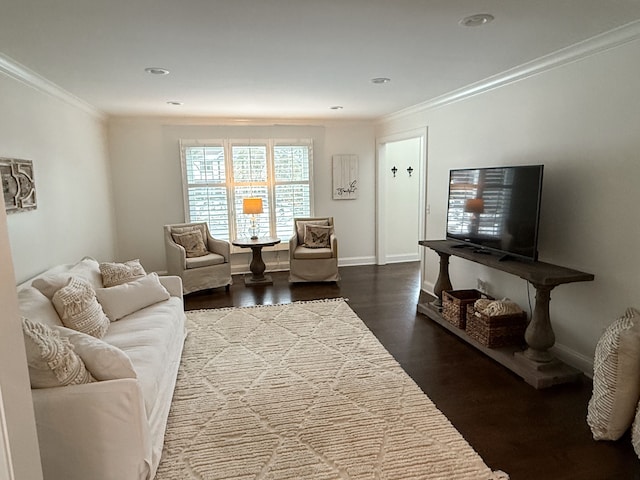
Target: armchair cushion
x,y
304,253
193,243
205,260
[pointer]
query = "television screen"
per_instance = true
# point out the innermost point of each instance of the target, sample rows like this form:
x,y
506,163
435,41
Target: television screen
x,y
496,208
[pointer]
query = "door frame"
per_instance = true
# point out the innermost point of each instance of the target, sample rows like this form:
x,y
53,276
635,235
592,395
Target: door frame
x,y
382,195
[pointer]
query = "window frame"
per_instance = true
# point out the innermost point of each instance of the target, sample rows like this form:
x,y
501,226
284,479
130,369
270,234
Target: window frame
x,y
227,144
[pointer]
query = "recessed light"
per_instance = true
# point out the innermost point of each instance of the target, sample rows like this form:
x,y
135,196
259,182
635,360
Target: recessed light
x,y
173,102
477,20
380,80
157,71
336,107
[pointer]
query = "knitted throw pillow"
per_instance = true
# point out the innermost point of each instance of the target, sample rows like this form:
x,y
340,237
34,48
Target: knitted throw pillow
x,y
616,369
119,273
51,359
79,309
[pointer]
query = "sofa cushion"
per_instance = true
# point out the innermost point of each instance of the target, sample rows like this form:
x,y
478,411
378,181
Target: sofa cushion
x,y
103,361
119,273
300,224
52,281
124,299
51,359
79,309
205,260
36,306
147,337
317,236
304,253
193,243
616,369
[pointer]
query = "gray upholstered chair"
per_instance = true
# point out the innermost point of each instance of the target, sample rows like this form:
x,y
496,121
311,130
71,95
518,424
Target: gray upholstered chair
x,y
210,269
317,264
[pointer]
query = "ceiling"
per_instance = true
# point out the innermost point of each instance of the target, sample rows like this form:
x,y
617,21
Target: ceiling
x,y
286,58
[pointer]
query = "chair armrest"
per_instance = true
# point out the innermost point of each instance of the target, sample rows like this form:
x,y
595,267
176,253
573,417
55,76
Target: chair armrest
x,y
293,244
334,245
221,247
176,258
95,430
173,284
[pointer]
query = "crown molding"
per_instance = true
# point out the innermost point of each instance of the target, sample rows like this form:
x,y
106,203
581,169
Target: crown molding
x,y
578,51
15,70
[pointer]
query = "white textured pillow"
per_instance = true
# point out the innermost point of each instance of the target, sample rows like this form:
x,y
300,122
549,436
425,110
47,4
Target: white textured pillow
x,y
50,283
121,300
104,361
51,359
119,273
616,374
79,309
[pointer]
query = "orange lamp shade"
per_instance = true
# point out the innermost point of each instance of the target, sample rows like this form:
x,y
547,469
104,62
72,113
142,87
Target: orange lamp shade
x,y
252,205
474,205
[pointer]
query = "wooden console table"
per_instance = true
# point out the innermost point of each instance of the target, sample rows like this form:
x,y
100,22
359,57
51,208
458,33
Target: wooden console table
x,y
536,365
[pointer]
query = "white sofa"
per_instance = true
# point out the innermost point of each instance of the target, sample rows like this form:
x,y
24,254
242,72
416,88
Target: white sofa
x,y
110,429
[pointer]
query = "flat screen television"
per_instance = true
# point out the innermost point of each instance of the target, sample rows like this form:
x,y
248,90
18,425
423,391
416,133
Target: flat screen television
x,y
496,209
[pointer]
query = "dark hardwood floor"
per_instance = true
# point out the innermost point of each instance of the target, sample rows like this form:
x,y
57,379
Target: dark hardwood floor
x,y
530,434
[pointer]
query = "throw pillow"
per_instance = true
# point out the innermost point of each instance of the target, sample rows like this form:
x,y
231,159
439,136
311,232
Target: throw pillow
x,y
121,300
316,236
616,369
50,283
102,360
51,359
192,242
300,227
79,309
119,273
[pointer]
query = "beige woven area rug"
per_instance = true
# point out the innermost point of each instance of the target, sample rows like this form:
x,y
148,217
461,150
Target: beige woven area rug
x,y
303,391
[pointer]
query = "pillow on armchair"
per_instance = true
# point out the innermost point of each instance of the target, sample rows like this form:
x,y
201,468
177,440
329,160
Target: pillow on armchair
x,y
192,242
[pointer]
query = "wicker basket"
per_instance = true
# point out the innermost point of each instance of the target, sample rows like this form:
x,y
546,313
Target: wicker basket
x,y
454,305
496,331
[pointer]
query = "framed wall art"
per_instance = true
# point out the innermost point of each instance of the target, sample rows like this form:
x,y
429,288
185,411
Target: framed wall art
x,y
18,184
345,177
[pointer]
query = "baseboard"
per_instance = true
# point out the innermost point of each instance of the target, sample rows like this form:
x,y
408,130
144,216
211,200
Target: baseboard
x,y
403,258
573,358
355,261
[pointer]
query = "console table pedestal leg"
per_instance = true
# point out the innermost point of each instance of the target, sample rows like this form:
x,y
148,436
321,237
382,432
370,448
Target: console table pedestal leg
x,y
539,334
443,282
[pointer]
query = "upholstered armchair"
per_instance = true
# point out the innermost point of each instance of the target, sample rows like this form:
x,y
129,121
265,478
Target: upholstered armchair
x,y
199,259
313,251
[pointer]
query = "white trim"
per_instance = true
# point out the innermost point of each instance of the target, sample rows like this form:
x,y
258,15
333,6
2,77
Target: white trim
x,y
19,72
403,258
6,465
578,51
355,261
573,358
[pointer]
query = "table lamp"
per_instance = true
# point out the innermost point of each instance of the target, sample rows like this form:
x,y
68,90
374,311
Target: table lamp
x,y
252,206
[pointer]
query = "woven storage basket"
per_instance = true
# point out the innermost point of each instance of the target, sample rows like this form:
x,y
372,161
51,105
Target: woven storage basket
x,y
496,331
454,305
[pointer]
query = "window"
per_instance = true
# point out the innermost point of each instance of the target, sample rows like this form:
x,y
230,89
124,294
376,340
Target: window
x,y
219,174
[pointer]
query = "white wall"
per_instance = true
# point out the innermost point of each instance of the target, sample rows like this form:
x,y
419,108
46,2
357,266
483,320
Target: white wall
x,y
68,149
402,193
147,181
580,120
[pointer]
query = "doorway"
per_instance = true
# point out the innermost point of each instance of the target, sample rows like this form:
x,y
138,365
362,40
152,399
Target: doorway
x,y
401,187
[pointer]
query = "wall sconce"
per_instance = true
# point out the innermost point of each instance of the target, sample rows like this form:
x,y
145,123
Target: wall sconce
x,y
394,170
410,170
